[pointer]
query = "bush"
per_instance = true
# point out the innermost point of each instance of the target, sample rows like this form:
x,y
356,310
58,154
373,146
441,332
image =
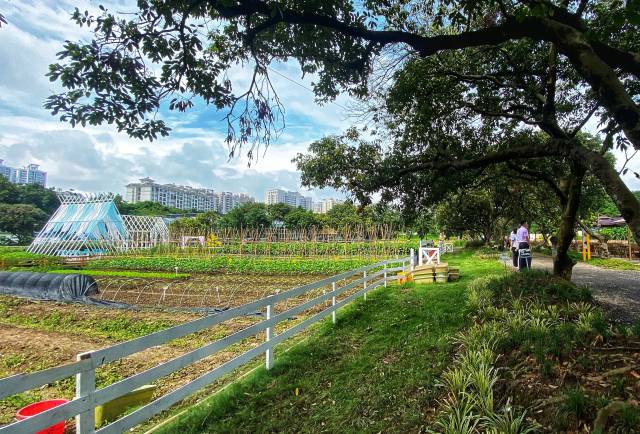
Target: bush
x,y
474,244
537,284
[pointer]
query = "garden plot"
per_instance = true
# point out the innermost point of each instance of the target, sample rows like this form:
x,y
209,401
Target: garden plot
x,y
35,335
221,291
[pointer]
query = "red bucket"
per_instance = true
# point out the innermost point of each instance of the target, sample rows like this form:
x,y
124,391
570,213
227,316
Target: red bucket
x,y
39,407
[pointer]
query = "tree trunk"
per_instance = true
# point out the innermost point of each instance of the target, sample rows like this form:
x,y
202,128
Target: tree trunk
x,y
624,199
601,77
562,263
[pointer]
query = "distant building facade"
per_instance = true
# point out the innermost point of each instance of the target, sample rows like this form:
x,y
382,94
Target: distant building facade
x,y
291,198
184,197
30,174
227,201
325,205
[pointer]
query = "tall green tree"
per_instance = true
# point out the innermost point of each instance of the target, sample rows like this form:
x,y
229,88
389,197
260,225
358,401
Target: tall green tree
x,y
279,211
346,43
21,220
300,218
39,196
148,208
8,192
247,215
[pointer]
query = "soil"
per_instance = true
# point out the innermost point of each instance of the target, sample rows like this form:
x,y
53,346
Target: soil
x,y
610,373
28,349
617,291
219,291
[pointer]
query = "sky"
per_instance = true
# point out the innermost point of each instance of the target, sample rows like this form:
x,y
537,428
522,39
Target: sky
x,y
99,159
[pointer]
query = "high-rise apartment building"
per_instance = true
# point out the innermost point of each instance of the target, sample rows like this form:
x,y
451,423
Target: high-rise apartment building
x,y
292,198
227,200
184,197
30,174
325,205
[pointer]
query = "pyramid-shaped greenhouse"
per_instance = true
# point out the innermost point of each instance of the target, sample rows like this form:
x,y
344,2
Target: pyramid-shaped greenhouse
x,y
87,225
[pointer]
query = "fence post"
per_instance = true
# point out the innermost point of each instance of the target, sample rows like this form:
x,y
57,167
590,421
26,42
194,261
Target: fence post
x,y
85,386
269,332
385,274
365,285
333,302
411,259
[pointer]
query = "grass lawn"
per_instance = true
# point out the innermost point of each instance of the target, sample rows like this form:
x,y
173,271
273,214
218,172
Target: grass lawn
x,y
375,370
615,264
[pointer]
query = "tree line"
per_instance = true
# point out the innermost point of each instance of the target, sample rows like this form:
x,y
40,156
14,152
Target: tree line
x,y
24,209
259,215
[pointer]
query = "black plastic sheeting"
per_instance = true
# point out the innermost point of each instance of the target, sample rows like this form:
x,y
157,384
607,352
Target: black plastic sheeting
x,y
76,288
47,286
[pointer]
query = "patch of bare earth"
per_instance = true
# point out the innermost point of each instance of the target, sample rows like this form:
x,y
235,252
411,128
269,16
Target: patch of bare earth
x,y
603,374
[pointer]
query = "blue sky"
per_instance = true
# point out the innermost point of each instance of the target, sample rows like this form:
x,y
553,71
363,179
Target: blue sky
x,y
101,159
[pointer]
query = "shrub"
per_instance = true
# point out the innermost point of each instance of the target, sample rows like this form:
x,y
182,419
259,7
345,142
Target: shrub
x,y
474,244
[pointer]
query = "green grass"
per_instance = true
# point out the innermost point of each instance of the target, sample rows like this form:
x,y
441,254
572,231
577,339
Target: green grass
x,y
375,370
11,257
116,328
614,263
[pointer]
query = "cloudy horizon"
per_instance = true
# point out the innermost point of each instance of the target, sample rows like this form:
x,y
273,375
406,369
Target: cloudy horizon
x,y
96,159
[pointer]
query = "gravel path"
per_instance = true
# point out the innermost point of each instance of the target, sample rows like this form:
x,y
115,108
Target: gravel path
x,y
617,290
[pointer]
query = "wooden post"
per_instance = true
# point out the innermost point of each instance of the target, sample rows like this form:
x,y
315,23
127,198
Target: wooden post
x,y
85,386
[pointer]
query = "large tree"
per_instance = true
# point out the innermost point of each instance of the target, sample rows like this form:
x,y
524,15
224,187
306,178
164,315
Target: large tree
x,y
109,79
21,220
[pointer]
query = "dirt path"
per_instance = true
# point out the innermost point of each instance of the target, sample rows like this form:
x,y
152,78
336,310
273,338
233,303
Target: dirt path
x,y
617,290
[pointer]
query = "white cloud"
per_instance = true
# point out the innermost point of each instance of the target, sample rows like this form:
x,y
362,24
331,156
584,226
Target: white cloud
x,y
100,158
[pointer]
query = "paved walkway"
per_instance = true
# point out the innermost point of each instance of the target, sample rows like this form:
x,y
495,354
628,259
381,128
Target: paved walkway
x,y
617,290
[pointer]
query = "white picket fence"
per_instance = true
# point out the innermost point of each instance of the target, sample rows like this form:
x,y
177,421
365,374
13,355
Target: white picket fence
x,y
87,397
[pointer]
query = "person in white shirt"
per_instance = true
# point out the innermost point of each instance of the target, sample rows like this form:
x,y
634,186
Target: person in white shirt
x,y
514,247
522,239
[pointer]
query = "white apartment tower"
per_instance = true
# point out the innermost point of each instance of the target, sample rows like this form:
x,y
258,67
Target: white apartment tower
x,y
325,205
292,198
183,197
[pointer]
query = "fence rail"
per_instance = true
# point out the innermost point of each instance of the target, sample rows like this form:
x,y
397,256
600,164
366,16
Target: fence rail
x,y
82,407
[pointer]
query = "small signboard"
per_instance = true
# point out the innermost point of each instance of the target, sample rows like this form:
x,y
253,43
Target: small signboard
x,y
524,253
524,258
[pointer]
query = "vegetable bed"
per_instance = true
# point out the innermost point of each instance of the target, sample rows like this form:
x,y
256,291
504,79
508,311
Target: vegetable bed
x,y
230,264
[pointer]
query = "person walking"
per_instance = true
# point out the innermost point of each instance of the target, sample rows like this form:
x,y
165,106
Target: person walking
x,y
513,244
522,240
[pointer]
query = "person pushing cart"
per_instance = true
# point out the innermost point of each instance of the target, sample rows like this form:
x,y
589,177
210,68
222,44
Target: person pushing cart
x,y
524,248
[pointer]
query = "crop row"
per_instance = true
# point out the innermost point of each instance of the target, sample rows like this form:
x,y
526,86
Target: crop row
x,y
230,264
125,273
302,248
12,258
